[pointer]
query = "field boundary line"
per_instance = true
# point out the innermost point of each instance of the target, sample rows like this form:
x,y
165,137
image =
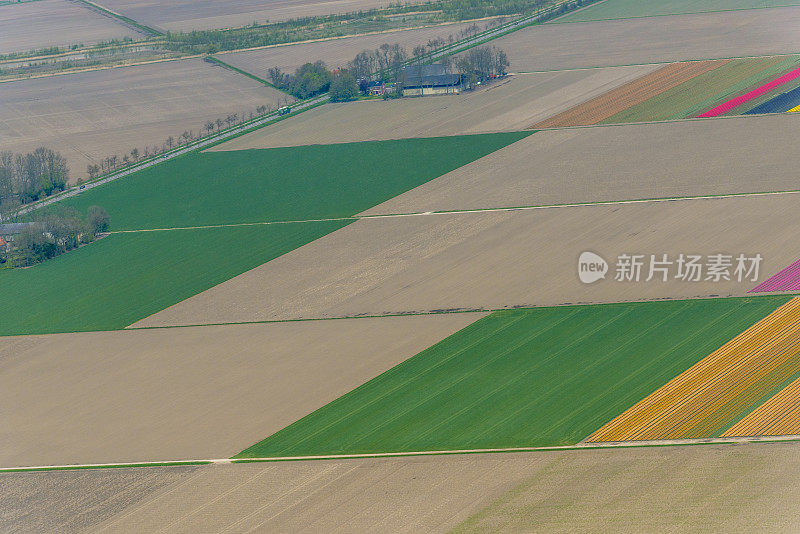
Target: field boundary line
x,y
577,446
230,225
667,62
635,17
721,196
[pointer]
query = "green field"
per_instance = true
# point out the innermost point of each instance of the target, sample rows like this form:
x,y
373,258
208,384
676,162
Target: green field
x,y
621,9
122,278
307,182
126,277
707,90
534,377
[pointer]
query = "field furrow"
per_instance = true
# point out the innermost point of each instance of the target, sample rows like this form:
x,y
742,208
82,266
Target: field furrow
x,y
635,92
712,394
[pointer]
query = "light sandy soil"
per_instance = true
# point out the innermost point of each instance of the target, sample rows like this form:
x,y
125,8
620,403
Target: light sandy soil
x,y
647,40
73,501
732,488
689,158
498,259
206,392
334,52
511,104
34,25
187,15
91,115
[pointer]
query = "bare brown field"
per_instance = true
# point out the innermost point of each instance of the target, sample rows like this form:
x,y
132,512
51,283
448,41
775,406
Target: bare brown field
x,y
91,115
187,15
653,40
666,489
489,260
634,161
334,52
511,104
621,98
45,23
708,397
206,392
779,416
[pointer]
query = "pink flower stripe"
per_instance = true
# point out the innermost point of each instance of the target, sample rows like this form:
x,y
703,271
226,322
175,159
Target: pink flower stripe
x,y
786,280
739,100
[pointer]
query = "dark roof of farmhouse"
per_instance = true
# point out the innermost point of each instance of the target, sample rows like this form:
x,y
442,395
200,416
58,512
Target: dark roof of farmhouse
x,y
429,76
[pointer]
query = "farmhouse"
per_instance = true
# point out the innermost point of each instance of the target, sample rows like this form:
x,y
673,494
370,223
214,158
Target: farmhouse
x,y
421,80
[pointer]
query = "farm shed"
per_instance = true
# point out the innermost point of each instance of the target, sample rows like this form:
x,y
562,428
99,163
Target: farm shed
x,y
421,80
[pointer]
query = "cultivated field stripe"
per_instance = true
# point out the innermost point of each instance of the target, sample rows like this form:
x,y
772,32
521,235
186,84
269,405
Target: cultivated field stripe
x,y
780,415
705,90
710,395
755,93
779,104
630,94
699,376
787,279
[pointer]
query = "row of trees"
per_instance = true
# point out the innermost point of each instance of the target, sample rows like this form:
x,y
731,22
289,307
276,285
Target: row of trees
x,y
114,161
326,26
56,232
28,177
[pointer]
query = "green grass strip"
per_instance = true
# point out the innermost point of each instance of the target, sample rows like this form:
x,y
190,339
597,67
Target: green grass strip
x,y
123,18
521,378
221,63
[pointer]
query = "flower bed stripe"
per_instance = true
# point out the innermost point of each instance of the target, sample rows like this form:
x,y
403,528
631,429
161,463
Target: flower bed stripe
x,y
786,280
779,104
755,93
